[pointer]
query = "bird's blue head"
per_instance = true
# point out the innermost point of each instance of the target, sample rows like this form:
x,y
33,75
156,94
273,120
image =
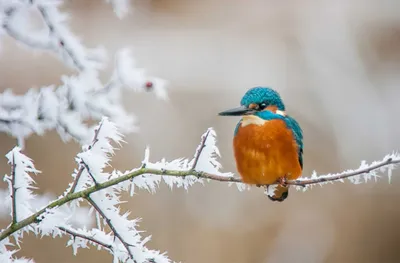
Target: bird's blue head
x,y
254,100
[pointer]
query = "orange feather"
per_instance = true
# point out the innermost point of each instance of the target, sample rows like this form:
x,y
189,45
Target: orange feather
x,y
266,152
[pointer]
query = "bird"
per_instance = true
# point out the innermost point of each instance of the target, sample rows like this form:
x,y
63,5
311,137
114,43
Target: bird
x,y
267,142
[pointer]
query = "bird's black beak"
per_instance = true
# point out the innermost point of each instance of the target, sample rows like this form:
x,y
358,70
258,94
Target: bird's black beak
x,y
239,111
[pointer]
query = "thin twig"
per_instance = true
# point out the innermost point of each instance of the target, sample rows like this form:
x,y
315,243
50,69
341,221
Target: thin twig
x,y
67,130
110,224
77,177
344,175
36,44
82,168
92,239
96,136
14,192
89,172
60,41
25,39
9,122
12,32
200,149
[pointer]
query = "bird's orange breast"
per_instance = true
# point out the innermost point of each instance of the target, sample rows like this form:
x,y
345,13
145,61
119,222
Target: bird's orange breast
x,y
265,151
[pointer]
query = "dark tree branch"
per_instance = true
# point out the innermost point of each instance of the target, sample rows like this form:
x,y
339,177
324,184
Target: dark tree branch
x,y
84,165
200,149
110,224
9,122
75,234
344,175
23,38
14,192
61,42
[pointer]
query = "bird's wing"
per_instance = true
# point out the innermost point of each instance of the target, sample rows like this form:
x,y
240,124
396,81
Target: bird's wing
x,y
298,135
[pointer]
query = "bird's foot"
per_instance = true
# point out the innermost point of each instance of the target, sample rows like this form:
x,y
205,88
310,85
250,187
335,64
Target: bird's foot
x,y
282,180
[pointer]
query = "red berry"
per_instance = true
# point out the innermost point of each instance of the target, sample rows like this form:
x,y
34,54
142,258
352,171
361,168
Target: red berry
x,y
149,85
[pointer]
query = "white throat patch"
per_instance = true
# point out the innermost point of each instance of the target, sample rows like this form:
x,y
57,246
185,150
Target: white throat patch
x,y
282,113
251,119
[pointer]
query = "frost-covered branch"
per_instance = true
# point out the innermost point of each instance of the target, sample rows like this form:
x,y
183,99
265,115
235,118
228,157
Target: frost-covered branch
x,y
81,97
200,149
65,108
78,234
102,191
82,163
369,171
67,47
112,227
13,192
179,172
78,219
20,184
54,36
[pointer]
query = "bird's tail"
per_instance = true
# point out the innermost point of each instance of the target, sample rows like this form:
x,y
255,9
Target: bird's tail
x,y
277,192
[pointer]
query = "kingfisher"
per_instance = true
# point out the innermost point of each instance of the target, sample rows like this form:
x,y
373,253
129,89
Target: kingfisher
x,y
267,142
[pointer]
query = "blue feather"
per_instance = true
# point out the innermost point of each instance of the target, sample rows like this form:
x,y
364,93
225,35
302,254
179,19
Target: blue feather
x,y
268,115
298,135
258,95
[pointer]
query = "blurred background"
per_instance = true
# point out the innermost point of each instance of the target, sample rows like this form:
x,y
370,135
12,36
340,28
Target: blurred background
x,y
336,65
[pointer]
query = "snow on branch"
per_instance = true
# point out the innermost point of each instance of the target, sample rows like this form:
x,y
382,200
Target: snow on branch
x,y
66,108
81,97
95,157
20,184
364,173
78,219
103,190
53,36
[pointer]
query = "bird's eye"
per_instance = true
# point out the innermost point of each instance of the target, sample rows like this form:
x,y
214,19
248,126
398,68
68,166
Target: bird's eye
x,y
262,106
